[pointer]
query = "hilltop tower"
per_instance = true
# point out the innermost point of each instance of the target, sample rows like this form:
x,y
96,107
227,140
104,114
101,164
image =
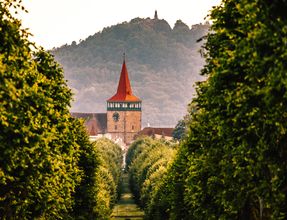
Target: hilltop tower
x,y
155,15
124,111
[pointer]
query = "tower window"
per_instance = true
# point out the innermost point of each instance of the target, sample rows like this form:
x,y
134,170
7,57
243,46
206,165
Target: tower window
x,y
133,127
116,127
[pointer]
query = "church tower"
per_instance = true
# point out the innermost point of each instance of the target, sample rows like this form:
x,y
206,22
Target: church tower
x,y
124,111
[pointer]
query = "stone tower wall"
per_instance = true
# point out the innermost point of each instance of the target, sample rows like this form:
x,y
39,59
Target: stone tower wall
x,y
128,125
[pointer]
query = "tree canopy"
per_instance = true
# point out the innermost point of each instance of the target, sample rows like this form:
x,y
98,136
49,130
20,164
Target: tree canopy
x,y
232,165
38,163
147,162
46,159
99,189
232,162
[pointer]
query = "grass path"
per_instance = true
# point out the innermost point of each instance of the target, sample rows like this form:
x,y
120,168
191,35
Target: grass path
x,y
126,208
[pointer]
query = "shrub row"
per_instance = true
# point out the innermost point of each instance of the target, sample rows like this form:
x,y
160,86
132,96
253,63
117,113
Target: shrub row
x,y
100,185
147,161
232,163
39,142
48,167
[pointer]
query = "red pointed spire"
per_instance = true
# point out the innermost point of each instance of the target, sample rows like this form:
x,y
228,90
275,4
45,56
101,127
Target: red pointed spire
x,y
124,92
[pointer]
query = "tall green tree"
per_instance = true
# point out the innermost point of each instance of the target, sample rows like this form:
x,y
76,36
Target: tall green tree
x,y
48,167
38,142
233,164
98,190
85,198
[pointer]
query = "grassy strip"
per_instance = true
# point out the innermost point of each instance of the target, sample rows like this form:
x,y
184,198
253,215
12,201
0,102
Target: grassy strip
x,y
126,207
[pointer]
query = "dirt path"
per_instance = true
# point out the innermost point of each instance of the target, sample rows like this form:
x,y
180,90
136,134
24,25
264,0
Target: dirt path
x,y
126,207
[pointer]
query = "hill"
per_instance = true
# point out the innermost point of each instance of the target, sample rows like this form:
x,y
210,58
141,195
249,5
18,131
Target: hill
x,y
163,64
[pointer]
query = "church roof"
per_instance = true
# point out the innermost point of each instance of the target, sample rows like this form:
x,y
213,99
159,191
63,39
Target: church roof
x,y
96,123
124,92
149,131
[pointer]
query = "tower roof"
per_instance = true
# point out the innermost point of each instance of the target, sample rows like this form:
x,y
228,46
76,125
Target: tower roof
x,y
124,92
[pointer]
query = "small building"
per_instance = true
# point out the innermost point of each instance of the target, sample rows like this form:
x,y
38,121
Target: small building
x,y
157,133
95,123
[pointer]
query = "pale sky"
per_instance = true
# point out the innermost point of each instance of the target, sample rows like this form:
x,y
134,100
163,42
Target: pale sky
x,y
57,22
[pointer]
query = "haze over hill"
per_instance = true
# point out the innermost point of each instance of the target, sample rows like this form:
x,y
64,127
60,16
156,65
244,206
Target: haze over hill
x,y
163,64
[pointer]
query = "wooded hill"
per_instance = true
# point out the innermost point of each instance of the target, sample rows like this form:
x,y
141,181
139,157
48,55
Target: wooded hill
x,y
163,64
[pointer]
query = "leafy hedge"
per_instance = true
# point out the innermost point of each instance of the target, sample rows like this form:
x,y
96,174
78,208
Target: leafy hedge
x,y
48,167
100,186
147,162
39,148
232,164
110,170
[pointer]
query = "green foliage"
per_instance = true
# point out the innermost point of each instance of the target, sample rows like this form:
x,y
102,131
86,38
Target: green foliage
x,y
155,53
147,161
98,191
112,160
89,161
38,139
48,167
108,177
179,130
232,164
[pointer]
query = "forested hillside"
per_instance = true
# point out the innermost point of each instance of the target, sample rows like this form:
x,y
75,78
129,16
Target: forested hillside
x,y
163,64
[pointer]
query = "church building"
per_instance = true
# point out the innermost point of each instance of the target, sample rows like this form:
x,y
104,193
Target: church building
x,y
124,111
122,122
